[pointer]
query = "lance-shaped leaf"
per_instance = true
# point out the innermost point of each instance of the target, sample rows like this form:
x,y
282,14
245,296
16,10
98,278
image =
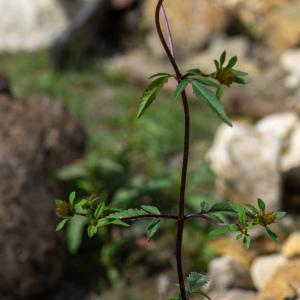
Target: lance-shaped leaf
x,y
232,62
150,93
152,228
151,209
131,212
213,102
180,88
61,224
224,229
222,58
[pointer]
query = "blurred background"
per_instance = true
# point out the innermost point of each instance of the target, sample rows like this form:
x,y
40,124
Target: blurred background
x,y
71,74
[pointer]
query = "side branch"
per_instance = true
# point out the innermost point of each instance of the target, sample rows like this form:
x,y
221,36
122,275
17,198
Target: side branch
x,y
205,217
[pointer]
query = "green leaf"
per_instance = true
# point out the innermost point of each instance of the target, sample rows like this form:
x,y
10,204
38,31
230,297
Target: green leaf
x,y
280,214
222,58
217,64
61,224
180,88
232,62
195,71
151,209
261,204
252,209
74,233
57,202
224,207
219,91
246,241
99,210
217,216
131,212
239,73
271,234
224,229
241,212
152,228
150,94
240,80
119,222
211,100
160,75
91,230
205,206
196,281
206,81
72,198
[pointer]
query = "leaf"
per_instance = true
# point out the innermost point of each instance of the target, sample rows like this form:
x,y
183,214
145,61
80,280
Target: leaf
x,y
72,198
232,62
180,88
61,224
74,233
150,94
195,71
271,234
219,91
261,204
251,208
222,58
217,64
151,209
206,81
240,80
211,100
99,210
196,281
222,207
205,206
152,228
119,222
131,212
217,216
160,75
280,214
91,230
224,229
241,212
246,241
58,202
239,73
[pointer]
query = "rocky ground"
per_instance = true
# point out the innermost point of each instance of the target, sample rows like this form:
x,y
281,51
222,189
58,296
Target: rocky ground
x,y
259,157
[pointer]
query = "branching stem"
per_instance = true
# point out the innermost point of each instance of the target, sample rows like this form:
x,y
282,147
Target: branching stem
x,y
181,217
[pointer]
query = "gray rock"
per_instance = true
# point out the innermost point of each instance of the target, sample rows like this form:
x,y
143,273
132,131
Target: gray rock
x,y
37,137
249,161
263,268
234,294
226,273
30,25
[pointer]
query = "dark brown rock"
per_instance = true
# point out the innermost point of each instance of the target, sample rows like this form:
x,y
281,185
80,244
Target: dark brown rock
x,y
36,138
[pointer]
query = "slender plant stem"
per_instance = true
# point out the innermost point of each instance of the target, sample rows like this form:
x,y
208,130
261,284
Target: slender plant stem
x,y
181,217
145,216
150,216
